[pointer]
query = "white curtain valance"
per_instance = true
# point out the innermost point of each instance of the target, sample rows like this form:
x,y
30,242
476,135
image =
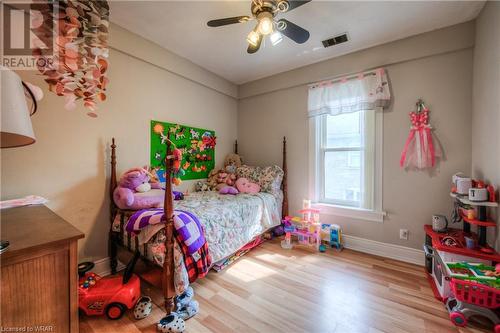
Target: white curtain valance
x,y
365,91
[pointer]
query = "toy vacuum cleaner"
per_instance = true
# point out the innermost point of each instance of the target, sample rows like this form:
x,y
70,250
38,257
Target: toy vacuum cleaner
x,y
107,295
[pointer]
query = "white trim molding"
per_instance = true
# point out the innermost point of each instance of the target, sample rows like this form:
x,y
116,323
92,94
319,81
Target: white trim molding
x,y
397,252
351,212
103,268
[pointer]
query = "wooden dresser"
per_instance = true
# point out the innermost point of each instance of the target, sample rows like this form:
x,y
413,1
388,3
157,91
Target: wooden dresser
x,y
39,281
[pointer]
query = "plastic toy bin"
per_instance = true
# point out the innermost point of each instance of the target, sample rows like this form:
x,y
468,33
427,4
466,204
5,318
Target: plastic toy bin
x,y
475,293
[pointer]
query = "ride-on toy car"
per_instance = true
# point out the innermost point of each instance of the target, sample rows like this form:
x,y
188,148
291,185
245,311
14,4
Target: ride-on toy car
x,y
106,295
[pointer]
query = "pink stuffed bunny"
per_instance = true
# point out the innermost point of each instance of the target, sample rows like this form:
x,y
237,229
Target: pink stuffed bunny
x,y
135,191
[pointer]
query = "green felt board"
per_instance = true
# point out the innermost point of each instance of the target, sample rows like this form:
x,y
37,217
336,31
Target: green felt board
x,y
198,158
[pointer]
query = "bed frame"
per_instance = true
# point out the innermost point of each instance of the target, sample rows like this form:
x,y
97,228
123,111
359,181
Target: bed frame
x,y
162,278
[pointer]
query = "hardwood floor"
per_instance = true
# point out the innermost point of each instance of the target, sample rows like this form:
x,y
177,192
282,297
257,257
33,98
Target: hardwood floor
x,y
276,290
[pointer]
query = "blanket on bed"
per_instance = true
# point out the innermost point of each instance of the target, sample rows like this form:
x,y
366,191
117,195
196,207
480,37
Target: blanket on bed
x,y
229,222
187,230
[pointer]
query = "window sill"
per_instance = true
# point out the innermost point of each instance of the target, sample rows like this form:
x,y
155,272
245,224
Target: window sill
x,y
354,213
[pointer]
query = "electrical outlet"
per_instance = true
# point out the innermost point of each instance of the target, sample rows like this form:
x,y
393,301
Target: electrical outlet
x,y
403,234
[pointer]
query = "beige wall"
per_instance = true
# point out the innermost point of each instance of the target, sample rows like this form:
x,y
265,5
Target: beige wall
x,y
486,99
69,163
443,80
453,38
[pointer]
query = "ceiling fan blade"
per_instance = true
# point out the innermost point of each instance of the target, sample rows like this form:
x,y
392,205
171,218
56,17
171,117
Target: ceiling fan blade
x,y
292,4
294,32
228,20
252,49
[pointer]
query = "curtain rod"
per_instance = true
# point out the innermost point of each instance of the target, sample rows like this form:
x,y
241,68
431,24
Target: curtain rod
x,y
340,78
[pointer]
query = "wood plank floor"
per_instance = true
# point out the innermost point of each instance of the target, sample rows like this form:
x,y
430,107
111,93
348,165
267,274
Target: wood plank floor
x,y
276,290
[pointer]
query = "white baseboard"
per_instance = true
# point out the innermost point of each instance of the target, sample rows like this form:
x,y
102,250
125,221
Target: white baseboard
x,y
391,251
103,268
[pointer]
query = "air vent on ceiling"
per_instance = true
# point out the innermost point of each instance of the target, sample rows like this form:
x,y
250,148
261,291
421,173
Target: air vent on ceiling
x,y
335,40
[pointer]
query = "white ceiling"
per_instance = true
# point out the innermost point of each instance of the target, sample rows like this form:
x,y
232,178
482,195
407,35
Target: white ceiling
x,y
180,26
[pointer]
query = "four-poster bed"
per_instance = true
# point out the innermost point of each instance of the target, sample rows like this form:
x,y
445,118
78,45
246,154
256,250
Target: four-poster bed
x,y
122,249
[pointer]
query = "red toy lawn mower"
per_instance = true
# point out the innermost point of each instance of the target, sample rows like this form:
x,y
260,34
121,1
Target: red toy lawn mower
x,y
106,295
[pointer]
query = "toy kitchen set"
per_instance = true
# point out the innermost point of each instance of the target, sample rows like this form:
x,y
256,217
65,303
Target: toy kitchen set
x,y
463,270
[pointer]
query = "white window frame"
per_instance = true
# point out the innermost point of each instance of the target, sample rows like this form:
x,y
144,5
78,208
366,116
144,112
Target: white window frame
x,y
317,128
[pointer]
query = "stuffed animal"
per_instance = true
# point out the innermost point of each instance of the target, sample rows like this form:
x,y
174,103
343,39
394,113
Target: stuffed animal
x,y
202,186
218,179
213,176
245,186
232,162
135,191
228,190
225,179
153,174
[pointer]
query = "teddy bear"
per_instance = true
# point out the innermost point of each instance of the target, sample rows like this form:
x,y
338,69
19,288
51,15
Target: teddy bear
x,y
135,191
232,162
213,176
219,178
225,179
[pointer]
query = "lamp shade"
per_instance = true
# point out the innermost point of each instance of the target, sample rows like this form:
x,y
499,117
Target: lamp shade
x,y
16,129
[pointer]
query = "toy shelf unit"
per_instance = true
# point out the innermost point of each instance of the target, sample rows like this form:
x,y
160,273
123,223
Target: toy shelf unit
x,y
434,239
480,220
437,253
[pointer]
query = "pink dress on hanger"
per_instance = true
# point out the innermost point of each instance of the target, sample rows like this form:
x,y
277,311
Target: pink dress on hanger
x,y
421,148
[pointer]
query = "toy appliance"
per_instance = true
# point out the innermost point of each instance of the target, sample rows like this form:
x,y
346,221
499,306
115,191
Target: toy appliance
x,y
438,269
439,223
478,194
109,295
462,183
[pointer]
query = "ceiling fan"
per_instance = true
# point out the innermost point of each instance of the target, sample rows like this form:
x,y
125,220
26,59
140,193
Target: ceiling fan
x,y
264,11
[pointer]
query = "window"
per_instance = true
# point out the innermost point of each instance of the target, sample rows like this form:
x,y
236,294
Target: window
x,y
346,161
346,143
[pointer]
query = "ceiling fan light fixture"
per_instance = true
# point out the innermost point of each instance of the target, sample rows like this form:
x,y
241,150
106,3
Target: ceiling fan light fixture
x,y
283,5
266,24
276,38
253,38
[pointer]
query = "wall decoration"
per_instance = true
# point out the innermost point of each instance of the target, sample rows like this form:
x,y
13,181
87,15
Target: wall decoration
x,y
422,149
78,66
197,146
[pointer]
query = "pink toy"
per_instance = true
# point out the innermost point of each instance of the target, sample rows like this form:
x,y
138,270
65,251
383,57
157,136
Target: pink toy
x,y
228,190
472,298
245,186
134,191
307,229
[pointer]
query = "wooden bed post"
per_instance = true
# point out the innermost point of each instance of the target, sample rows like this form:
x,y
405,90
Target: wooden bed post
x,y
112,247
168,207
284,184
113,181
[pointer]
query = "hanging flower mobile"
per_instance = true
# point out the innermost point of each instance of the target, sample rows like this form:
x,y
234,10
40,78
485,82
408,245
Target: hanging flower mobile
x,y
79,62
